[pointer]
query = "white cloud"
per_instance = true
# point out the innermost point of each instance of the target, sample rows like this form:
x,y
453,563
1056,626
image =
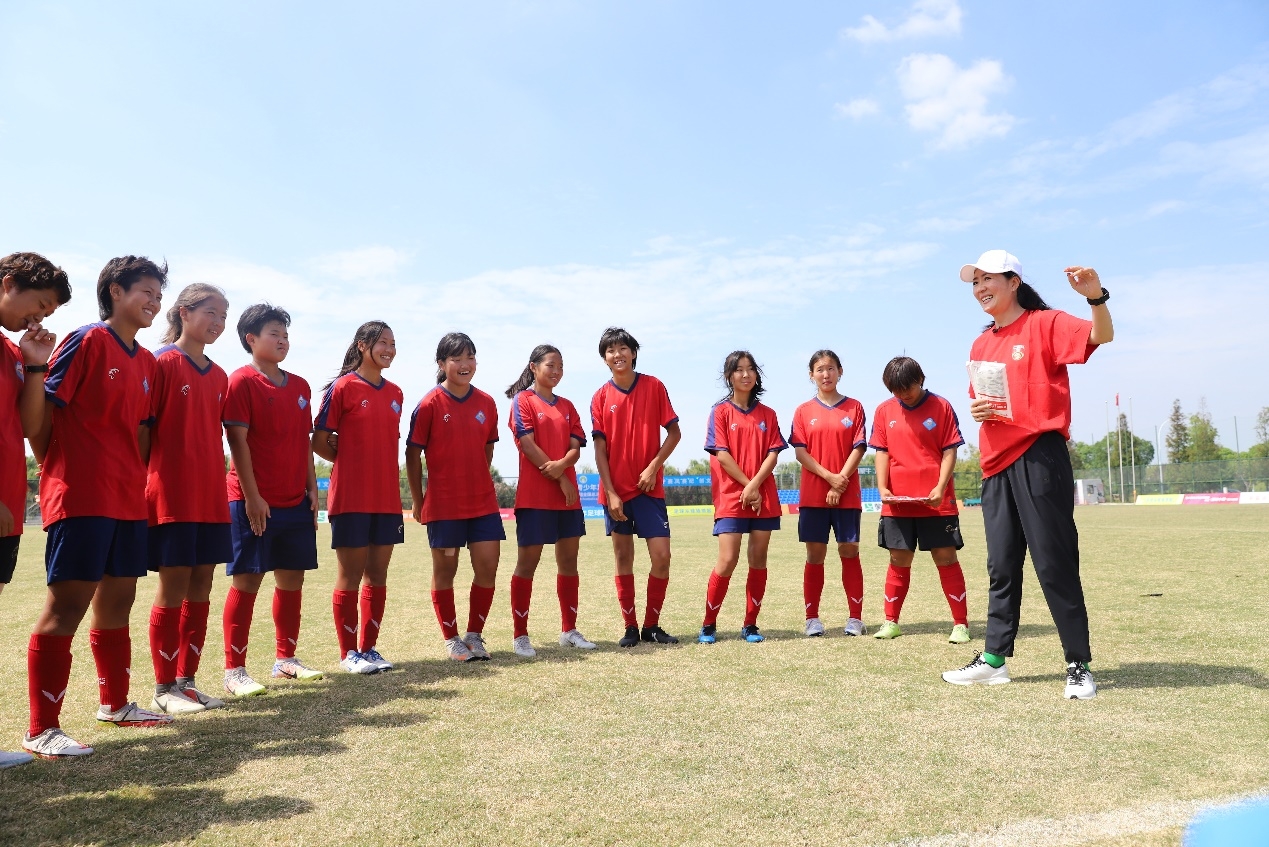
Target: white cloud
x,y
952,101
1244,158
363,263
860,107
937,224
926,19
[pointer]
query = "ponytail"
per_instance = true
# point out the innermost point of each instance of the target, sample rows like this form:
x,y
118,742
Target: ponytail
x,y
368,333
191,297
452,344
526,379
1028,298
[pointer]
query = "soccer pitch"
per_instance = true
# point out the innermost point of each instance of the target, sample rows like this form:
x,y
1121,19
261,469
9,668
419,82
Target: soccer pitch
x,y
794,741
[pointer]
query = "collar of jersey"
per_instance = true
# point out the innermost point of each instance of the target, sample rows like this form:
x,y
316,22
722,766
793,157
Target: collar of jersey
x,y
132,352
742,409
544,400
286,377
188,358
924,397
626,390
371,384
471,389
817,399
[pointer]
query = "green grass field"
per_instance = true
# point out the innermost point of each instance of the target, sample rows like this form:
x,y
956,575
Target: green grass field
x,y
794,741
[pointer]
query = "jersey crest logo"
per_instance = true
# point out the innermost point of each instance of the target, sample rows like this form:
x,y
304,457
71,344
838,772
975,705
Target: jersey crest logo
x,y
733,426
112,373
1019,350
929,423
185,390
21,371
613,407
145,383
303,402
847,422
762,425
892,423
541,416
814,421
480,417
396,407
445,419
365,404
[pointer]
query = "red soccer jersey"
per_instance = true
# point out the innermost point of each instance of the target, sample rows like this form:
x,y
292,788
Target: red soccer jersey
x,y
829,434
915,439
630,422
12,447
279,421
1035,350
749,435
186,482
102,391
453,433
553,426
366,477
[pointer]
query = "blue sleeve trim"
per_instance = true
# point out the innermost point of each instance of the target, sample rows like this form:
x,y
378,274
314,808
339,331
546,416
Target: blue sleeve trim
x,y
796,444
323,411
595,433
61,364
235,423
669,423
411,443
954,446
879,449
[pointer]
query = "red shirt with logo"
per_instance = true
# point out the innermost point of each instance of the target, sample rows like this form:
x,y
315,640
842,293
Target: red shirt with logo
x,y
830,434
630,422
1035,350
749,435
102,390
366,477
279,422
186,480
554,425
12,446
453,433
915,439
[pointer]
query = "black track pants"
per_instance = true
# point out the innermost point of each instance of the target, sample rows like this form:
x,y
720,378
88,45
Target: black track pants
x,y
1031,506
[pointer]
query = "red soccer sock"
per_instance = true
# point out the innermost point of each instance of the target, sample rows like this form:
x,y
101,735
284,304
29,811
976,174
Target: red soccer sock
x,y
626,598
953,580
165,642
374,599
446,616
656,599
480,601
237,624
853,582
755,588
112,653
812,588
897,582
566,589
48,667
286,621
715,593
344,605
193,637
521,595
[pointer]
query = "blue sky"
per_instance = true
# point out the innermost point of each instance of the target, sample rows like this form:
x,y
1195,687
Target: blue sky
x,y
712,176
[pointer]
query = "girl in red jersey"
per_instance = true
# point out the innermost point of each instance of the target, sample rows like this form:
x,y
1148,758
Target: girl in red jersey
x,y
550,438
185,488
358,427
456,425
743,439
1028,484
829,442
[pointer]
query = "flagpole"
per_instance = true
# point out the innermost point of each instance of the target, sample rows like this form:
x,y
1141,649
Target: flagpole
x,y
1119,437
1110,480
1132,448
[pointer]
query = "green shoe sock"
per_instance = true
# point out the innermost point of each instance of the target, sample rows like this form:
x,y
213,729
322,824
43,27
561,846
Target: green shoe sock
x,y
994,660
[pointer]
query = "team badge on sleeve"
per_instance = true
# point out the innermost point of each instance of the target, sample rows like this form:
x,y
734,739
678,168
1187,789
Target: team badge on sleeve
x,y
396,407
145,383
929,423
762,425
303,402
847,422
480,417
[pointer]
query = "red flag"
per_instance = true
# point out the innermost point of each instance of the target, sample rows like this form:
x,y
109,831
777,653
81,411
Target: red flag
x,y
1116,400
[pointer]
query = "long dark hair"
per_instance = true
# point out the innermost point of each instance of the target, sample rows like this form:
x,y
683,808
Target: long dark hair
x,y
526,380
1028,298
730,366
191,297
367,333
823,354
452,344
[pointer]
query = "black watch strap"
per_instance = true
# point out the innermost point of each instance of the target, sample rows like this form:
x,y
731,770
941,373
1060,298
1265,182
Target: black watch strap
x,y
1100,300
36,369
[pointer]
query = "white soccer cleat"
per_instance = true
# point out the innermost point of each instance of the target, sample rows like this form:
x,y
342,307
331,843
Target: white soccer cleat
x,y
376,658
239,684
356,662
1079,682
476,644
573,638
814,627
978,672
293,668
854,626
52,743
174,701
130,714
12,760
457,650
190,690
523,647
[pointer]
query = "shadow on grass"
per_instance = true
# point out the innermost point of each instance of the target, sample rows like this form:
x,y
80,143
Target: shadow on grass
x,y
1167,675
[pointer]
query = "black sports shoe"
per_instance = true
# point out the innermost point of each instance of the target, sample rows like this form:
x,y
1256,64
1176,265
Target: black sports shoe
x,y
631,638
656,635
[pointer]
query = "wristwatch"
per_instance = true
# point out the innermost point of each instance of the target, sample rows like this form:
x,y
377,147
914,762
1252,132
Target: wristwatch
x,y
36,369
1100,300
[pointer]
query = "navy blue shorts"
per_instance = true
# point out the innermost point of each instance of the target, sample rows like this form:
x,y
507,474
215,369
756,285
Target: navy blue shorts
x,y
723,526
927,533
547,526
8,557
442,535
362,529
289,542
187,544
89,548
645,516
815,521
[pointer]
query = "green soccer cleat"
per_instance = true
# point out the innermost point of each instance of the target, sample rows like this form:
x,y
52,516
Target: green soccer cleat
x,y
960,634
888,630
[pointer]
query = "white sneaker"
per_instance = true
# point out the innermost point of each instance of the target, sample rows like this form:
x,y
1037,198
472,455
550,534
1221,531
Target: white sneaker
x,y
573,638
52,743
854,626
814,627
190,690
12,760
175,702
356,662
523,647
978,672
240,684
457,650
293,668
476,644
130,714
375,658
1079,682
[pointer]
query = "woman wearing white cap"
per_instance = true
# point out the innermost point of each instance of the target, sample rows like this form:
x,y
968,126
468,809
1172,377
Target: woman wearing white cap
x,y
1022,397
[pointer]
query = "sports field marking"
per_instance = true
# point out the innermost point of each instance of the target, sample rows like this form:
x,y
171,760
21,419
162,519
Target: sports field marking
x,y
1081,829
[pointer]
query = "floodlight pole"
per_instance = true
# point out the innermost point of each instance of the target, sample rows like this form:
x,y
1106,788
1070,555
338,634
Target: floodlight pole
x,y
1132,448
1159,456
1110,479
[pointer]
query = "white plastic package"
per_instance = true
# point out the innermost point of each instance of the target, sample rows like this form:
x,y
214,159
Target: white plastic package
x,y
991,382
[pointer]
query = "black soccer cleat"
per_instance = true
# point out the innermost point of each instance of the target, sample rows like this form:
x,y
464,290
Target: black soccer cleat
x,y
656,635
631,638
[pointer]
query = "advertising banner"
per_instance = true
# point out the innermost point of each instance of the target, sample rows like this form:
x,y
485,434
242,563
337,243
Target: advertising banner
x,y
1259,497
1160,499
1215,498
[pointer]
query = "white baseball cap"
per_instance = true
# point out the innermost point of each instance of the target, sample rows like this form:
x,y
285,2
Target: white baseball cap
x,y
992,262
